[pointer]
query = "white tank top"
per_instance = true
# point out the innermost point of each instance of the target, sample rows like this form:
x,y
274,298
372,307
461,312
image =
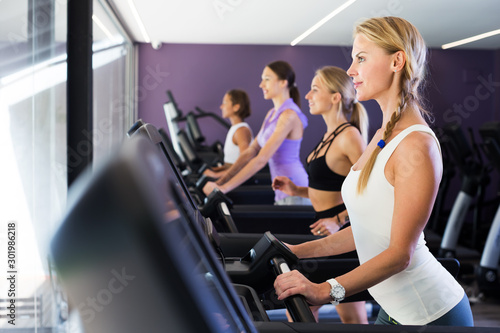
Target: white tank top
x,y
231,151
425,290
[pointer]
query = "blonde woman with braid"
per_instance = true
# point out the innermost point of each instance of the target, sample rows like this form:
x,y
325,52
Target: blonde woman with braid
x,y
389,193
332,96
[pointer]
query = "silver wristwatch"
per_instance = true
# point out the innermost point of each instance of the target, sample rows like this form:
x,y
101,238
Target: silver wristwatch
x,y
337,293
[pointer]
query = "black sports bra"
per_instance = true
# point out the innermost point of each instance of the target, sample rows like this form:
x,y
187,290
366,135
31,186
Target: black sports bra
x,y
321,177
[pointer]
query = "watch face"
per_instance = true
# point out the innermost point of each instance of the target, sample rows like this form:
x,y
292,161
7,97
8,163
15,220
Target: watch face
x,y
337,292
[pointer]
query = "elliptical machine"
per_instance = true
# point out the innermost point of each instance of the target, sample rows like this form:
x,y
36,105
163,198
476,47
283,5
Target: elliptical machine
x,y
474,179
487,272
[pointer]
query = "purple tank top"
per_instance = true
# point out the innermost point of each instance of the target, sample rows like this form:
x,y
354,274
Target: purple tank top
x,y
286,160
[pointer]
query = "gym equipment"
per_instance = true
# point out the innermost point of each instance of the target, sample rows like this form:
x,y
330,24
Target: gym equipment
x,y
255,267
487,272
448,174
241,241
130,263
224,209
173,115
195,164
214,203
211,155
135,127
474,179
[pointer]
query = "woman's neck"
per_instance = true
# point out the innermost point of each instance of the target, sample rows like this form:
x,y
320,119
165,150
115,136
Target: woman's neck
x,y
280,99
332,119
388,105
235,120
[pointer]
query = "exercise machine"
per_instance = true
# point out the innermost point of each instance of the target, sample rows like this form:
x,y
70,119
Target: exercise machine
x,y
211,155
487,272
130,262
474,179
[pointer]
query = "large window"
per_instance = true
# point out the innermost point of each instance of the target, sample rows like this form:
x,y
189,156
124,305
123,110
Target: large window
x,y
113,89
33,182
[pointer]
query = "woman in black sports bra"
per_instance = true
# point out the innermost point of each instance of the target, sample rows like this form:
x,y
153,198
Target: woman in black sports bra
x,y
333,97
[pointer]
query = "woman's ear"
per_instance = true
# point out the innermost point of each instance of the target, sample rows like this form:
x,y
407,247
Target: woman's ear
x,y
236,108
398,61
336,98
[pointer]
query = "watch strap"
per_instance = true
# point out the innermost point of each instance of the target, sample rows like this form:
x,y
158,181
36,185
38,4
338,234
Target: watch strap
x,y
334,284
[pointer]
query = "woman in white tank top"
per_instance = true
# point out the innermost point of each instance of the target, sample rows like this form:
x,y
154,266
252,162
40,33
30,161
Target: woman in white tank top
x,y
389,194
235,107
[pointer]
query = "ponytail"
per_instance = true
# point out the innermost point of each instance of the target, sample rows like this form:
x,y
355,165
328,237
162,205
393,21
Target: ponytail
x,y
359,119
295,95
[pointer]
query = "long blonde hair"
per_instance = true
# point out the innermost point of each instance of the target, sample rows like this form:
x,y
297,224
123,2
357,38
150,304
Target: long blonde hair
x,y
337,80
395,34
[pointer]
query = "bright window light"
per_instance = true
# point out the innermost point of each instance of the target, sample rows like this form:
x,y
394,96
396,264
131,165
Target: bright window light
x,y
139,21
471,39
102,27
321,22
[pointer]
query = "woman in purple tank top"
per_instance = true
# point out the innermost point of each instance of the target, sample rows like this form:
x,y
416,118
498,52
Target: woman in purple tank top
x,y
278,141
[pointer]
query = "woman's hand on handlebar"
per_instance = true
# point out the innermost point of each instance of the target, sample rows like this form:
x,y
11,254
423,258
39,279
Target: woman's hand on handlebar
x,y
210,173
294,283
209,187
284,184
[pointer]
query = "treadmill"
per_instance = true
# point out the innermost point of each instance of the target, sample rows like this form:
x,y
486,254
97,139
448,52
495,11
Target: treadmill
x,y
129,262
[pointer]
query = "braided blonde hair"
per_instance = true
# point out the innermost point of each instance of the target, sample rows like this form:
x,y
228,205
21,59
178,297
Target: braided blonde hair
x,y
395,34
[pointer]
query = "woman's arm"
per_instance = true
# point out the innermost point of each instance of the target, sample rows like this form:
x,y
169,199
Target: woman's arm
x,y
242,138
338,243
415,172
286,123
242,160
352,145
285,185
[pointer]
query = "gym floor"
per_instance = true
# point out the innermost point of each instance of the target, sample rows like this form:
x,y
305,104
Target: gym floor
x,y
485,308
486,313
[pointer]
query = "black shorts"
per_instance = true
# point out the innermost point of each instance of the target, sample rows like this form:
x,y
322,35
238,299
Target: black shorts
x,y
332,212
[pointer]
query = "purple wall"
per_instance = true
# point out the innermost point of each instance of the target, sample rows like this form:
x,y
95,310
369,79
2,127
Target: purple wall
x,y
460,87
199,75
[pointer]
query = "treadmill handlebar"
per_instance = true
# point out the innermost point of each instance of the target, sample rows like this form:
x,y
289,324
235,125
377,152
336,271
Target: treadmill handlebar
x,y
296,305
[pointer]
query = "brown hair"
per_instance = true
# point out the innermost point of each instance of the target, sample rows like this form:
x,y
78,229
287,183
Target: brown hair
x,y
395,34
240,97
285,72
337,80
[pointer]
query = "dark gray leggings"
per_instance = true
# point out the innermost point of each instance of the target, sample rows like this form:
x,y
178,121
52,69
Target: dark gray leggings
x,y
460,315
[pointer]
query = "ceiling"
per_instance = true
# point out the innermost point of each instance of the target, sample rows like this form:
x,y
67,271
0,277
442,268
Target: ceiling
x,y
279,22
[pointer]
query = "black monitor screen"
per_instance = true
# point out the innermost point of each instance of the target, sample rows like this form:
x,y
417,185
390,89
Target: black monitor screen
x,y
129,261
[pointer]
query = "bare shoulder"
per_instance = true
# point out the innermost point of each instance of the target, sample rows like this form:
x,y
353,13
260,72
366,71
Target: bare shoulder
x,y
242,131
419,149
288,116
420,141
289,113
350,137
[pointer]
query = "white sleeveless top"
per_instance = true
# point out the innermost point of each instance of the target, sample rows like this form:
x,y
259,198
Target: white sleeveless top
x,y
425,290
231,151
